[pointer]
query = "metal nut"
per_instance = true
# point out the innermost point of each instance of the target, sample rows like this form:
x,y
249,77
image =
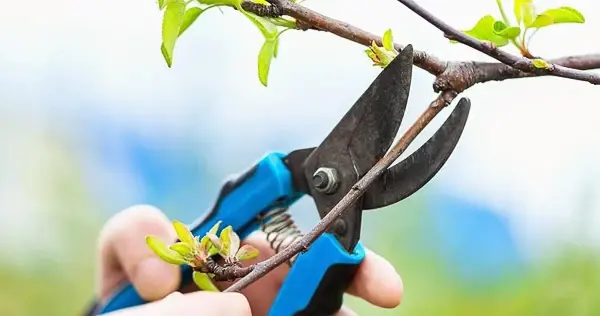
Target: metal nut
x,y
325,180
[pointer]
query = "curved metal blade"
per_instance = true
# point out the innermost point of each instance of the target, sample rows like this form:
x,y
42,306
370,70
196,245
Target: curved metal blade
x,y
383,106
412,173
359,140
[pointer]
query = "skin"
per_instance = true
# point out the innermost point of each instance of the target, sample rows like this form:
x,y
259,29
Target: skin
x,y
124,255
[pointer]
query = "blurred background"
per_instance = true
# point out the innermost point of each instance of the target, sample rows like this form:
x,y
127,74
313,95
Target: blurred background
x,y
92,122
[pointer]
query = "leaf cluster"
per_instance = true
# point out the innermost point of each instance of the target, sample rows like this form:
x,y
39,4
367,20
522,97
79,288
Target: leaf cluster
x,y
179,15
382,55
528,22
197,252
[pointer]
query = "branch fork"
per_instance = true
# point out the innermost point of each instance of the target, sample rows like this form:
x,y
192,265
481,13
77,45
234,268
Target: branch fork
x,y
451,79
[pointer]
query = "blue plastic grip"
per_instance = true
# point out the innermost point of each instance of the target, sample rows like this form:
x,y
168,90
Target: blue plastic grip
x,y
318,279
240,202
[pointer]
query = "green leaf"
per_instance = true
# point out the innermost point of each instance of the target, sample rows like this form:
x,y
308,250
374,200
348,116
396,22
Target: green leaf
x,y
484,30
212,251
184,234
265,56
388,40
380,56
507,32
172,19
214,241
510,32
559,15
234,244
215,228
190,16
266,27
384,57
161,250
182,248
538,63
246,252
541,21
283,22
524,11
204,243
225,239
161,4
204,282
276,47
371,55
166,56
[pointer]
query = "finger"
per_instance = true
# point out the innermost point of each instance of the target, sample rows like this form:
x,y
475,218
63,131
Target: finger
x,y
208,304
377,282
195,303
263,292
345,311
124,254
172,296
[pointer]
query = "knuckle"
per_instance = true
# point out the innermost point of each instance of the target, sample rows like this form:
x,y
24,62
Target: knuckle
x,y
140,214
136,218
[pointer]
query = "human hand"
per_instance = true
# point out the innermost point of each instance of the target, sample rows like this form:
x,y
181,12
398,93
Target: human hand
x,y
123,255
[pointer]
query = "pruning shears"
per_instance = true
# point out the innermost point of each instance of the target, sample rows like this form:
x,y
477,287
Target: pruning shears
x,y
259,198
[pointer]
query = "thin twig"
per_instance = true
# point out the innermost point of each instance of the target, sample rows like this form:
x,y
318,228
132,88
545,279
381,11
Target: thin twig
x,y
455,75
521,63
485,72
451,78
264,267
350,32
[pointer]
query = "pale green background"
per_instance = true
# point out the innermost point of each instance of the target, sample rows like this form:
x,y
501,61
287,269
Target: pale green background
x,y
531,147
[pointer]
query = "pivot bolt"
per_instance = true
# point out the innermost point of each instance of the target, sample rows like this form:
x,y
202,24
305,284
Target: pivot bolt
x,y
325,180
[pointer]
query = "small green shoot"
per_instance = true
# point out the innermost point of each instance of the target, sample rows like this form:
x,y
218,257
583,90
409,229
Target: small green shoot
x,y
383,55
538,63
195,252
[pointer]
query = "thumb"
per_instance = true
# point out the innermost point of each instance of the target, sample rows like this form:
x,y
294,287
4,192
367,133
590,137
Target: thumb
x,y
125,256
194,303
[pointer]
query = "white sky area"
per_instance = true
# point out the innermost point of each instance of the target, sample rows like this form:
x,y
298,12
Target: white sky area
x,y
530,148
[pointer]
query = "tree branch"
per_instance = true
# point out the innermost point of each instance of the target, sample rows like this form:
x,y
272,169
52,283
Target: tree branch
x,y
226,272
451,79
496,72
456,75
345,30
521,63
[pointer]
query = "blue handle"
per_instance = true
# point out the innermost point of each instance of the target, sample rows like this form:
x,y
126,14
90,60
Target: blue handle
x,y
318,279
239,203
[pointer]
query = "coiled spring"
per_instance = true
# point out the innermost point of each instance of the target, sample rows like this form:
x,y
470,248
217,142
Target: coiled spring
x,y
280,228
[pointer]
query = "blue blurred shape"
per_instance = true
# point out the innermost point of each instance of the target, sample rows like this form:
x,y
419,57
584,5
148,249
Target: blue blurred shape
x,y
170,171
475,242
164,167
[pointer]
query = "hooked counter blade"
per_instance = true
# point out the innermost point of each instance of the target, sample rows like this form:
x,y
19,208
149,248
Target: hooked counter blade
x,y
412,173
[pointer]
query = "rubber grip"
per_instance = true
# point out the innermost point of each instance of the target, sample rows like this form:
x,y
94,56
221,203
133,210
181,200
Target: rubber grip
x,y
317,281
239,203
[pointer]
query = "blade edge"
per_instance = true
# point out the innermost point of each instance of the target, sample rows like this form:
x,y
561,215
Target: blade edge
x,y
412,173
